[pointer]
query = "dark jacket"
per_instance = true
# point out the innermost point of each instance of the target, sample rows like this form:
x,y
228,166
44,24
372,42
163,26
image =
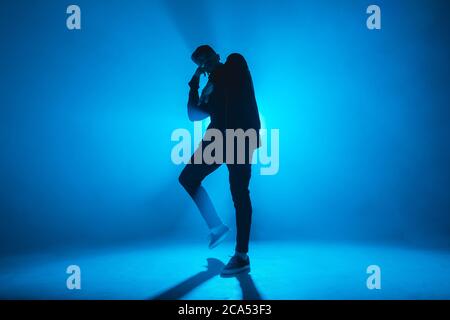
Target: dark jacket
x,y
228,97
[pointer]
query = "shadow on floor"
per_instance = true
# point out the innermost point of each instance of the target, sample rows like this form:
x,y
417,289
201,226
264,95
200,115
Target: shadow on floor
x,y
214,267
249,291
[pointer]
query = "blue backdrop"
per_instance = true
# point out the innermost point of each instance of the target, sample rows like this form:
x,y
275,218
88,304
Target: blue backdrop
x,y
86,118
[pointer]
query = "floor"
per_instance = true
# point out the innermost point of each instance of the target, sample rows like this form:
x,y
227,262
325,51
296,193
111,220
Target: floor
x,y
280,270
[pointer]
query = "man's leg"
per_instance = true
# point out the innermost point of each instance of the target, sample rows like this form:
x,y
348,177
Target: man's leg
x,y
239,182
191,178
239,175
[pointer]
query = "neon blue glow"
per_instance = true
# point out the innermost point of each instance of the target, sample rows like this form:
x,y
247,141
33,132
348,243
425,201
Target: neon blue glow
x,y
86,119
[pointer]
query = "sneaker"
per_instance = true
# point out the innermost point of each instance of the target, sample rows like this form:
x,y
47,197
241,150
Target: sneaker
x,y
236,265
216,238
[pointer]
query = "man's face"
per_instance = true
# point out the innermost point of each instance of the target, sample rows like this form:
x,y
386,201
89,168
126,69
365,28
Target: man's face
x,y
207,62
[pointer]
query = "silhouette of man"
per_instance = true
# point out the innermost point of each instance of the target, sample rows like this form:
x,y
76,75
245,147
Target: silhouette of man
x,y
228,99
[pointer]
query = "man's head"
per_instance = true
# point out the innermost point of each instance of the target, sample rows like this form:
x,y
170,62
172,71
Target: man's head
x,y
206,58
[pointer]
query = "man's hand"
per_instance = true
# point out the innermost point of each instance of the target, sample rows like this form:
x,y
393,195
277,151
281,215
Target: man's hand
x,y
199,72
195,81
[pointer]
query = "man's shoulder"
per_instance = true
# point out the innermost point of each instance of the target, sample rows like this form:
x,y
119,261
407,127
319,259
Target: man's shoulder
x,y
236,64
234,58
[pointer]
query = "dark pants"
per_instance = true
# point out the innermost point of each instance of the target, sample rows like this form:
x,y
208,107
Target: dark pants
x,y
239,177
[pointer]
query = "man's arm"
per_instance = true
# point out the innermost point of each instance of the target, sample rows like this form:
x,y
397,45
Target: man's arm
x,y
196,109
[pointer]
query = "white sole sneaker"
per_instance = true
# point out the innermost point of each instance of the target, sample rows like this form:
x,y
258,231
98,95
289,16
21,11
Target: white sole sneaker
x,y
232,272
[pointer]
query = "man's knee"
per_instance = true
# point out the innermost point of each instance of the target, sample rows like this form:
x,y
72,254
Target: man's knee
x,y
188,182
184,180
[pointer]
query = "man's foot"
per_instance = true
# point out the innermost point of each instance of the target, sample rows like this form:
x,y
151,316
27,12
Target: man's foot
x,y
217,236
236,265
